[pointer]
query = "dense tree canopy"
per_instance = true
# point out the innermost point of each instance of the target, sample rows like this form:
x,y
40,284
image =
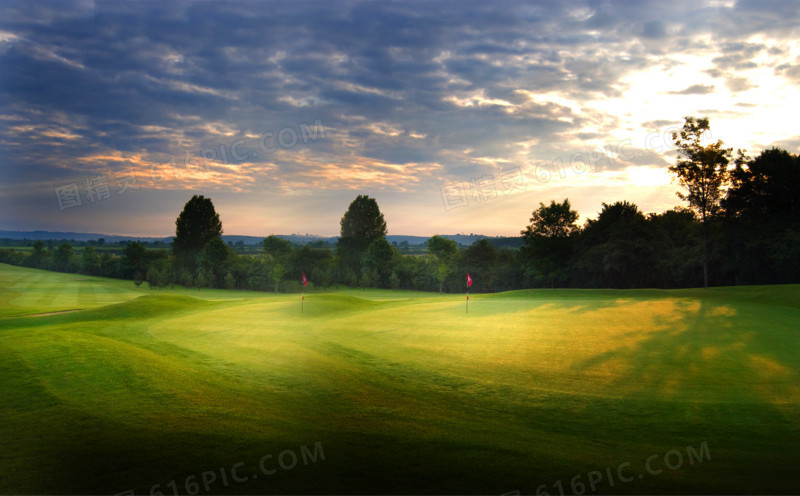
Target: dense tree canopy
x,y
549,241
445,251
196,225
135,264
277,248
361,224
442,248
615,247
214,260
762,227
378,262
765,187
479,260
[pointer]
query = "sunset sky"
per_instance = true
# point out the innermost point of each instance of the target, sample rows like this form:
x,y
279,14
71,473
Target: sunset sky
x,y
456,116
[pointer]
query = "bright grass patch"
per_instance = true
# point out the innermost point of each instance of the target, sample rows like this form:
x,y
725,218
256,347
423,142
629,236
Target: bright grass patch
x,y
403,391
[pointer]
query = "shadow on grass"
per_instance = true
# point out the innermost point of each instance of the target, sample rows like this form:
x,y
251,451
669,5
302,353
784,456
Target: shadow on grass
x,y
726,374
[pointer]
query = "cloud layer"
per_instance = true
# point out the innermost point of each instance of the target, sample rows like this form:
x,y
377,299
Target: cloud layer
x,y
282,105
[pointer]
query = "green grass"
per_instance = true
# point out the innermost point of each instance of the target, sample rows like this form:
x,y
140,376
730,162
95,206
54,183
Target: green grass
x,y
406,392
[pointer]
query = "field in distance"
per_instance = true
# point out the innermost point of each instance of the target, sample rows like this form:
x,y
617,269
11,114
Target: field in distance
x,y
110,388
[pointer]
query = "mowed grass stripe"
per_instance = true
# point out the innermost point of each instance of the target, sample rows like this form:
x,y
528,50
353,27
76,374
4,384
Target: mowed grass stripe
x,y
408,393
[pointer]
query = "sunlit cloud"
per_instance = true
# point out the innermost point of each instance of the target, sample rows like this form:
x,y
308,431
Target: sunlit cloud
x,y
284,108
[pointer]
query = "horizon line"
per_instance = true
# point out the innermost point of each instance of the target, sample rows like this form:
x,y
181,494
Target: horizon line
x,y
310,235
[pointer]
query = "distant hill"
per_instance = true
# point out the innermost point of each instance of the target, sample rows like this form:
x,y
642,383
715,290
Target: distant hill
x,y
76,236
461,239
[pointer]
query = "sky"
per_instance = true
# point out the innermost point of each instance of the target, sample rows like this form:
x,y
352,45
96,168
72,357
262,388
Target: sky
x,y
457,117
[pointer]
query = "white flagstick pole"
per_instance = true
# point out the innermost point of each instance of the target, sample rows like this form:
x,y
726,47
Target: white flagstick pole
x,y
467,293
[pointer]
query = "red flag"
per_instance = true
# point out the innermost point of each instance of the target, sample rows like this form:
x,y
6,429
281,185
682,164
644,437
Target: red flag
x,y
305,281
469,281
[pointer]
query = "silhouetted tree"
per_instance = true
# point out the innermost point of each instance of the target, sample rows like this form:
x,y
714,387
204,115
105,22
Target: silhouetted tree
x,y
762,209
766,187
362,224
702,170
196,225
549,242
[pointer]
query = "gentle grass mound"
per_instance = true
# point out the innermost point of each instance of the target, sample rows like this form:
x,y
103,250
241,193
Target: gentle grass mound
x,y
208,392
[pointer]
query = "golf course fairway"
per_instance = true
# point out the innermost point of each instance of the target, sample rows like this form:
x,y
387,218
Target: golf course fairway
x,y
109,388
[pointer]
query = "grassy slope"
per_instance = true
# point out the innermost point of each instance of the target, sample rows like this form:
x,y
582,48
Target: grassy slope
x,y
406,393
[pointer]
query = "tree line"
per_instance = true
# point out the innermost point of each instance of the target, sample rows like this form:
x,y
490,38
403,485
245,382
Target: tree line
x,y
741,226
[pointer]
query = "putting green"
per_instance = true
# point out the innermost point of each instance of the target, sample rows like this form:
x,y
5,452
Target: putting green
x,y
110,388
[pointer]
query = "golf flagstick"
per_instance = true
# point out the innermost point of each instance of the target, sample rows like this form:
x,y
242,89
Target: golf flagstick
x,y
469,283
303,293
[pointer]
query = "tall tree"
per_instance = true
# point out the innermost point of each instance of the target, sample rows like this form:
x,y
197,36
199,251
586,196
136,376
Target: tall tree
x,y
549,242
702,170
362,224
762,209
766,187
196,225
